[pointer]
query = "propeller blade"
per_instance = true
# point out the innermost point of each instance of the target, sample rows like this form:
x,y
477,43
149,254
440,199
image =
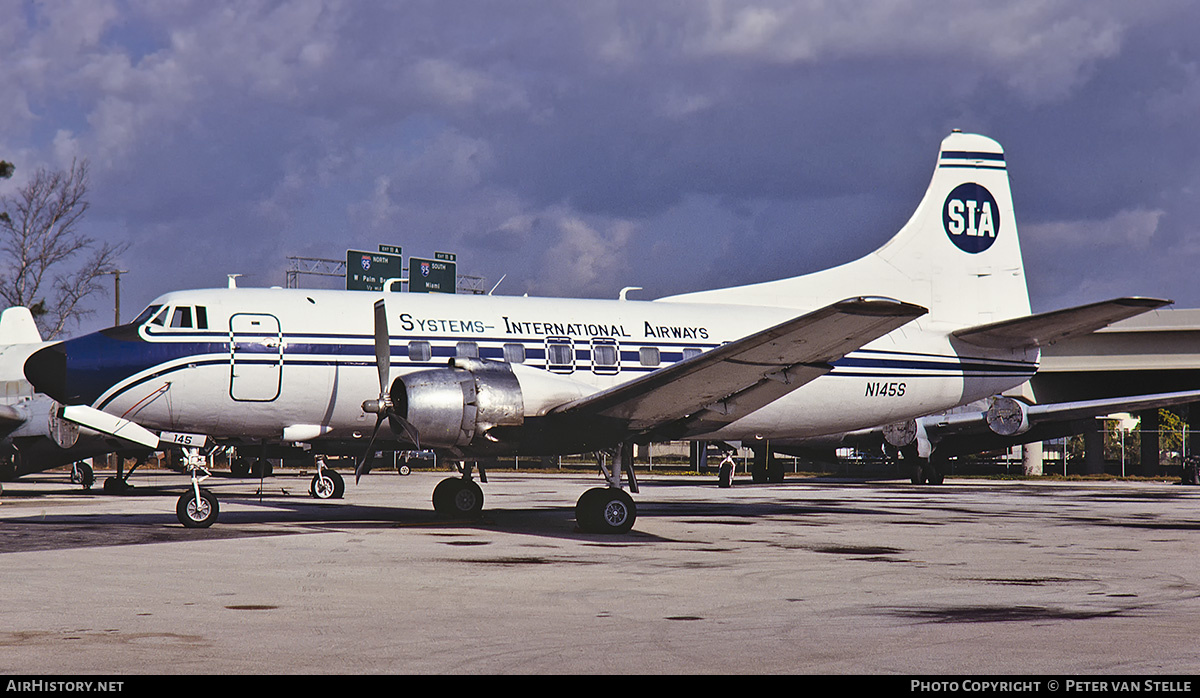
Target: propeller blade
x,y
400,425
364,466
383,349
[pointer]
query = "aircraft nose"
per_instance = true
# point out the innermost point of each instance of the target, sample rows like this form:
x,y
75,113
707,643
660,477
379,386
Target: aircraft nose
x,y
46,371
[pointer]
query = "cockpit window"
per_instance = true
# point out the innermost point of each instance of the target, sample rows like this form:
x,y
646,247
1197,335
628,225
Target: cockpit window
x,y
146,314
182,317
160,318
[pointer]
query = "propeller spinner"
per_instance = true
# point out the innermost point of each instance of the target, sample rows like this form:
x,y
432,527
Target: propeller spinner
x,y
383,406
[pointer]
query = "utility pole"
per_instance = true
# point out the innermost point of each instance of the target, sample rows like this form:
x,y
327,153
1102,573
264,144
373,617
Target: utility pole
x,y
117,293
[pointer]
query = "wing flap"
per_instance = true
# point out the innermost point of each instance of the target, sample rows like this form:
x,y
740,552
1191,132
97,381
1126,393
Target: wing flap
x,y
739,377
1049,327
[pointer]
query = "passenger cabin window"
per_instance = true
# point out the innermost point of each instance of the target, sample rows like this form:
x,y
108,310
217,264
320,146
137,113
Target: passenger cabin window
x,y
560,355
419,351
605,356
689,352
514,353
649,356
466,350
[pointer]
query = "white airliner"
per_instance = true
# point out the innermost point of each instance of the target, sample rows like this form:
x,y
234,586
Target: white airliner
x,y
938,316
34,436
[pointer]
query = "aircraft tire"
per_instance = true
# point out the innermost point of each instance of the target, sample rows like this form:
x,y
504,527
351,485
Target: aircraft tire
x,y
197,514
327,485
456,498
239,467
605,510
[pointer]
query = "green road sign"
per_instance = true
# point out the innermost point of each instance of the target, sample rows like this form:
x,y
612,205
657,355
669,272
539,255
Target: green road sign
x,y
431,275
367,271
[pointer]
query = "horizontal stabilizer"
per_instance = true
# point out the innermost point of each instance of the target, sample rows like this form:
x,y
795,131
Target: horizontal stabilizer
x,y
105,423
1047,328
732,380
1063,411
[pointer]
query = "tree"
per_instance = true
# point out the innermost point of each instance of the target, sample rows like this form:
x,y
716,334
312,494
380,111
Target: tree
x,y
46,264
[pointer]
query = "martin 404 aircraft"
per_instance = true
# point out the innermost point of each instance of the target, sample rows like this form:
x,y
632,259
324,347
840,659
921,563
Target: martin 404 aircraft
x,y
937,317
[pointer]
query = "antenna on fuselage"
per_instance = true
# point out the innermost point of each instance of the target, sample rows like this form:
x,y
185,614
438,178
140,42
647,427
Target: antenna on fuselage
x,y
626,290
502,278
233,280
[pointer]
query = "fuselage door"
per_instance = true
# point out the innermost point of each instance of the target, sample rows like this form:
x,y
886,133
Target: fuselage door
x,y
255,357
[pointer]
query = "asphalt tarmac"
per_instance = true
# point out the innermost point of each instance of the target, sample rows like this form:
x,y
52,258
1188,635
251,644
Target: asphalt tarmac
x,y
970,578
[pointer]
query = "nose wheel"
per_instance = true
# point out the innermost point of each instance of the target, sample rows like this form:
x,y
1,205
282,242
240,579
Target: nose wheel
x,y
197,507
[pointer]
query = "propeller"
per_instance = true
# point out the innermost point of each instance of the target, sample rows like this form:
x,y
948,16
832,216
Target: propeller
x,y
383,407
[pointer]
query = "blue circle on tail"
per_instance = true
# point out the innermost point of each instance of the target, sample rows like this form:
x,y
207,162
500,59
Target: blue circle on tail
x,y
971,218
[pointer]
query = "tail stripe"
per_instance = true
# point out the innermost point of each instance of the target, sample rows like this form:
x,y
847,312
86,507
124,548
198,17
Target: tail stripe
x,y
951,159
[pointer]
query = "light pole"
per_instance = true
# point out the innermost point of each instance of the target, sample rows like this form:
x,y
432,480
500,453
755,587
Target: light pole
x,y
117,293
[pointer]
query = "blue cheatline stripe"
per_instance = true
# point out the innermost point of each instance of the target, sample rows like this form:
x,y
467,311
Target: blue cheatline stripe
x,y
971,155
972,167
168,357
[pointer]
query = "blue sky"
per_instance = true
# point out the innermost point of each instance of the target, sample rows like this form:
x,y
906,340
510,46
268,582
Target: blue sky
x,y
580,147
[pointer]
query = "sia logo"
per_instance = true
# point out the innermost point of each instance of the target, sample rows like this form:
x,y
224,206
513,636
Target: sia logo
x,y
971,218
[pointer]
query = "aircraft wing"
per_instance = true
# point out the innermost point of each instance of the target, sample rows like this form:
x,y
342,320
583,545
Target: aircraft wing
x,y
1052,326
1002,423
727,383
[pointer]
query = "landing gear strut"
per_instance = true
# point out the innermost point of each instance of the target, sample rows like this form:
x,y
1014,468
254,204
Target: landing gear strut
x,y
610,509
197,508
119,483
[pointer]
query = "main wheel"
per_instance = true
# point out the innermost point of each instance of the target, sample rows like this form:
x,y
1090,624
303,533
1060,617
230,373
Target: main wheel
x,y
82,474
197,513
725,475
605,510
240,467
458,498
327,485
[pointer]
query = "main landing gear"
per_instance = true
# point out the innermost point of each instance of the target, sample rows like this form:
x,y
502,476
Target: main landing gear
x,y
610,509
924,471
82,474
460,497
327,483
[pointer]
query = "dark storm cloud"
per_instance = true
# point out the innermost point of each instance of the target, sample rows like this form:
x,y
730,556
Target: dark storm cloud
x,y
583,147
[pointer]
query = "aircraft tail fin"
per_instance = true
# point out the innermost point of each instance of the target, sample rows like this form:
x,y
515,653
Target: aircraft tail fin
x,y
17,326
958,254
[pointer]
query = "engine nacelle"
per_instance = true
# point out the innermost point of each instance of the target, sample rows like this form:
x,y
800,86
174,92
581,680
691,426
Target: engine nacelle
x,y
1008,417
453,406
